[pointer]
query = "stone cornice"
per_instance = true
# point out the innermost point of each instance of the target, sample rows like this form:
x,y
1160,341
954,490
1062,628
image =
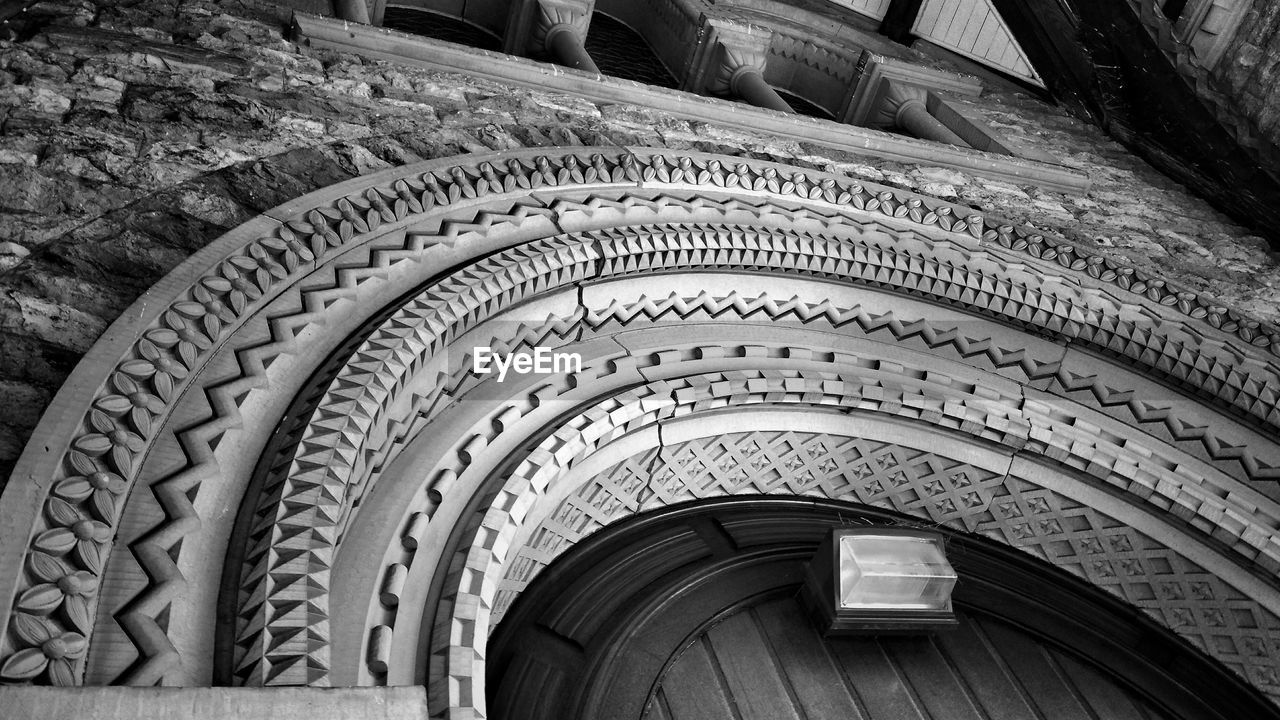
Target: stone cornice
x,y
402,48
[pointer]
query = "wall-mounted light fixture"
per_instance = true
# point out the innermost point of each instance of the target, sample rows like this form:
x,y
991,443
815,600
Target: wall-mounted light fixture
x,y
873,580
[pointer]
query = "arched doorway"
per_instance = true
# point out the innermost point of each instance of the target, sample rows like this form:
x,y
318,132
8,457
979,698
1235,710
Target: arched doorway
x,y
846,341
694,612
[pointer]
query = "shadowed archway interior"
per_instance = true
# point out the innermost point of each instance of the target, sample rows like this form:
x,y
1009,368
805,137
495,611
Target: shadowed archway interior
x,y
693,612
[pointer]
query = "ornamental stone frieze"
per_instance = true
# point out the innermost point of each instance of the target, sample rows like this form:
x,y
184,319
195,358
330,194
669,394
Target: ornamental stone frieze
x,y
310,370
766,451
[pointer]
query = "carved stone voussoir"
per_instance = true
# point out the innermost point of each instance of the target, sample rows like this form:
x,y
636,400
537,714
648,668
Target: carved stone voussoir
x,y
623,414
99,452
987,497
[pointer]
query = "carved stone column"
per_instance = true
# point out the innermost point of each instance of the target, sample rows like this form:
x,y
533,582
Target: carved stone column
x,y
557,28
744,73
731,60
903,106
560,29
353,10
893,95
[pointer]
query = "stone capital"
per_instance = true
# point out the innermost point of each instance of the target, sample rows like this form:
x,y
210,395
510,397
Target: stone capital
x,y
573,16
904,107
729,48
892,100
884,85
535,22
736,59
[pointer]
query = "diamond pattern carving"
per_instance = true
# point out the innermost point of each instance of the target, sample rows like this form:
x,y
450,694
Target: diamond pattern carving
x,y
1174,591
706,306
129,410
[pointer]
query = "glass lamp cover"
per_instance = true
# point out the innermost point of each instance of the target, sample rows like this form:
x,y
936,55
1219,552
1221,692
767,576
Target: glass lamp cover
x,y
894,572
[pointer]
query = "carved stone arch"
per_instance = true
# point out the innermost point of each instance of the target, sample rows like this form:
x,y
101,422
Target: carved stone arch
x,y
398,584
998,415
646,571
1013,337
970,485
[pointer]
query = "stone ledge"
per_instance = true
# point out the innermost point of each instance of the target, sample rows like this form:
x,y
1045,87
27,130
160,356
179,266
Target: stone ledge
x,y
220,703
381,44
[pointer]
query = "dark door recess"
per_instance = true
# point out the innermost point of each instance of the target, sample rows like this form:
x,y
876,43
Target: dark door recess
x,y
692,614
767,662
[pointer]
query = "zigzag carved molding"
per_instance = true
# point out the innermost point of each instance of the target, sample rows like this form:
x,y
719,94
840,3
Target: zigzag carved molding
x,y
821,56
106,447
498,530
351,435
475,280
846,391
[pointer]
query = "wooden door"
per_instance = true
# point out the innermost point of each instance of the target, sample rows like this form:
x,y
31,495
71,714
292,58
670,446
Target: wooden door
x,y
692,614
767,662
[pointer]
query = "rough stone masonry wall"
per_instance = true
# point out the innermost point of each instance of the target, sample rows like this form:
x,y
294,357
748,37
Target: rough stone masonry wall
x,y
1249,69
133,132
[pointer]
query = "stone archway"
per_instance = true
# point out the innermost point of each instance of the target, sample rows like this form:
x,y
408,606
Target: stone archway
x,y
692,609
311,368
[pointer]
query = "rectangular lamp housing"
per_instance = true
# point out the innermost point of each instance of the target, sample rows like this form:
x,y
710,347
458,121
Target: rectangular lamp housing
x,y
878,580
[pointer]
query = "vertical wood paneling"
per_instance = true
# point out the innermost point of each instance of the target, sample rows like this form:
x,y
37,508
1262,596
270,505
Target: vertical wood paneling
x,y
1010,55
769,663
974,29
882,689
1035,672
1002,695
693,688
871,8
820,687
986,34
927,20
1097,692
945,27
965,26
754,679
932,679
